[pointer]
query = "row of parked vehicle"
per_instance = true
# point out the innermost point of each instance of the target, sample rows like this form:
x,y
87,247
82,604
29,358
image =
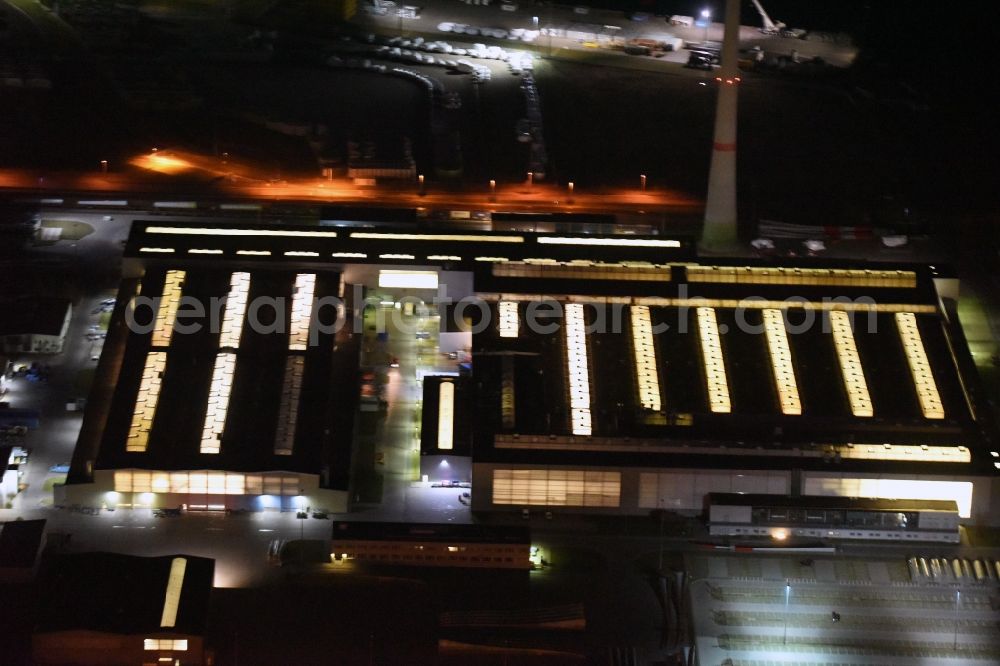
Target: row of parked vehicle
x,y
530,128
519,34
954,570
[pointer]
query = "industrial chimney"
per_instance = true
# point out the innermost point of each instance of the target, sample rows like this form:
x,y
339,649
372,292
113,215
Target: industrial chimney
x,y
719,234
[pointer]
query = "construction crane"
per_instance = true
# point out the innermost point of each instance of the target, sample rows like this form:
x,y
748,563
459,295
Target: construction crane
x,y
769,27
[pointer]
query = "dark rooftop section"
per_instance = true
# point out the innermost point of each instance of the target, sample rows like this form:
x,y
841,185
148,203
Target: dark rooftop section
x,y
41,316
122,594
814,501
19,542
459,533
322,619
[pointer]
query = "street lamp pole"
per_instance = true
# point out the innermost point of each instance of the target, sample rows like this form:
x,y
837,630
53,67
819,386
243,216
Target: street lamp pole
x,y
706,14
788,590
660,565
958,600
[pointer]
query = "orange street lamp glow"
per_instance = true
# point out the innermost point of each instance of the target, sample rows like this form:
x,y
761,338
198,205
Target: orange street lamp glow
x,y
161,163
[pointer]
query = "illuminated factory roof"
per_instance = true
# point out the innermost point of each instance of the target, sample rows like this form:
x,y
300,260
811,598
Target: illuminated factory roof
x,y
679,380
239,398
837,364
333,245
852,367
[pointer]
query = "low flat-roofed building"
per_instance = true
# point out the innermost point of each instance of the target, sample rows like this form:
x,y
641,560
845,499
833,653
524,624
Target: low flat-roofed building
x,y
446,429
108,609
808,517
34,325
432,545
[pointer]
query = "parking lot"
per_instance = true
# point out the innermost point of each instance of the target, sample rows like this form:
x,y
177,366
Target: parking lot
x,y
757,609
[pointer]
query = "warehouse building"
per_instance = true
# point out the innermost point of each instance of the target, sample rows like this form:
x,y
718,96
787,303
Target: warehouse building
x,y
610,374
34,325
108,609
757,379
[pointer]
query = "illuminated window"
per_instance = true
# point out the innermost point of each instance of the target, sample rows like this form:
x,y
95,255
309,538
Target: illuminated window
x,y
644,354
201,483
218,402
446,416
850,365
302,307
288,410
350,255
781,362
794,304
145,402
159,482
825,277
165,644
172,595
911,452
556,487
577,370
715,367
205,251
586,270
166,313
882,488
607,242
408,279
443,257
396,255
826,305
255,253
508,319
236,307
220,231
923,379
167,250
453,238
301,253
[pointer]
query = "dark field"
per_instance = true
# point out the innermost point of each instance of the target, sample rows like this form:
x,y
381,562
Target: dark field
x,y
856,146
810,151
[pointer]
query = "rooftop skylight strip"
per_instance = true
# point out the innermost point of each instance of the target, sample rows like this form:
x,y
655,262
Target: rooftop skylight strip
x,y
715,369
781,363
644,355
920,368
578,370
850,365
